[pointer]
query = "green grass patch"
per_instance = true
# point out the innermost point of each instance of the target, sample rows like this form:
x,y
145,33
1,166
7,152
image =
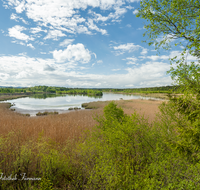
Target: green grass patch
x,y
46,113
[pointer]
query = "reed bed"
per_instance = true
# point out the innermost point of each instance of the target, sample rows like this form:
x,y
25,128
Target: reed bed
x,y
68,126
59,128
47,147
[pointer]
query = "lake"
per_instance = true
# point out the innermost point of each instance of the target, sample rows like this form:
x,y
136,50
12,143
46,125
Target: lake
x,y
61,103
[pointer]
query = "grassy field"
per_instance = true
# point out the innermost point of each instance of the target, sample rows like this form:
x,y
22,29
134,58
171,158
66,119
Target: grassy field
x,y
109,147
69,125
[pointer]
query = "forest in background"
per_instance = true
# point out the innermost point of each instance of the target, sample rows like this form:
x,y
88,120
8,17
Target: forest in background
x,y
89,91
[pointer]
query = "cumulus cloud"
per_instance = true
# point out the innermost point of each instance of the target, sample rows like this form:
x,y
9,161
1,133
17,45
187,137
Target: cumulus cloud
x,y
65,15
76,52
35,71
16,32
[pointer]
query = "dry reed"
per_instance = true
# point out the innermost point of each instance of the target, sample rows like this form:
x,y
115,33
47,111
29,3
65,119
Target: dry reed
x,y
68,126
60,128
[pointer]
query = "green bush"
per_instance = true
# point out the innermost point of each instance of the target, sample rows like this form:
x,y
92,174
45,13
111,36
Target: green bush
x,y
46,113
126,152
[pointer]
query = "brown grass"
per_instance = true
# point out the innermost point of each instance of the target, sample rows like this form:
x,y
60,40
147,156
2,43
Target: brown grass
x,y
67,126
148,108
59,128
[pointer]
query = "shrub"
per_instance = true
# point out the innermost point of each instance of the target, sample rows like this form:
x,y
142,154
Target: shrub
x,y
46,113
126,152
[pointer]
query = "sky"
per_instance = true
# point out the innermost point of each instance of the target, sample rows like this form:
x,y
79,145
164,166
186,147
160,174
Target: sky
x,y
78,44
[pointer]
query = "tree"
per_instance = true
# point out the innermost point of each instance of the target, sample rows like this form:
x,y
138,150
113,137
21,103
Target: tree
x,y
179,21
175,20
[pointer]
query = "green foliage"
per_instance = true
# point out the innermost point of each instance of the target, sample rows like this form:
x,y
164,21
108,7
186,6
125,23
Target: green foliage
x,y
179,19
162,89
46,113
174,19
181,116
46,184
126,152
11,90
122,152
43,160
83,92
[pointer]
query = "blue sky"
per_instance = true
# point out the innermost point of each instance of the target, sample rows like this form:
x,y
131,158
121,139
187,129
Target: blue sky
x,y
79,43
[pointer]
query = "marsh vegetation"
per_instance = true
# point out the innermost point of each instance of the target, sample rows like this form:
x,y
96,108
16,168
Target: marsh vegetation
x,y
111,147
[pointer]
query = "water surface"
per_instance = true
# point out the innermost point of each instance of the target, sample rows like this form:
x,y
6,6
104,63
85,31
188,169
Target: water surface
x,y
61,103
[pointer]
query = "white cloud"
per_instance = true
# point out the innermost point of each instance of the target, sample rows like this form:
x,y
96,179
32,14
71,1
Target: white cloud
x,y
19,42
130,47
156,57
116,69
64,14
75,52
17,18
18,6
144,51
143,28
129,7
54,34
15,32
131,1
99,61
113,16
135,12
92,26
127,47
188,56
37,30
37,71
66,42
31,46
131,60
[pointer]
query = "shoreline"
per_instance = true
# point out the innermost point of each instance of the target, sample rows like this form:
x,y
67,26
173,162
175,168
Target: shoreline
x,y
89,106
96,105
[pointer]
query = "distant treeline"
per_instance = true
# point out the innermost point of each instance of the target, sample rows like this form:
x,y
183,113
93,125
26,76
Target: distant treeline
x,y
162,89
84,92
12,90
89,92
47,89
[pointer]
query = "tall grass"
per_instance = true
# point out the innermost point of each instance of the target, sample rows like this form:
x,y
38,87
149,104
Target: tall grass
x,y
40,147
122,151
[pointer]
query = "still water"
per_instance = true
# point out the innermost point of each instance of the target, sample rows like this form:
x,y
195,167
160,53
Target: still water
x,y
61,103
